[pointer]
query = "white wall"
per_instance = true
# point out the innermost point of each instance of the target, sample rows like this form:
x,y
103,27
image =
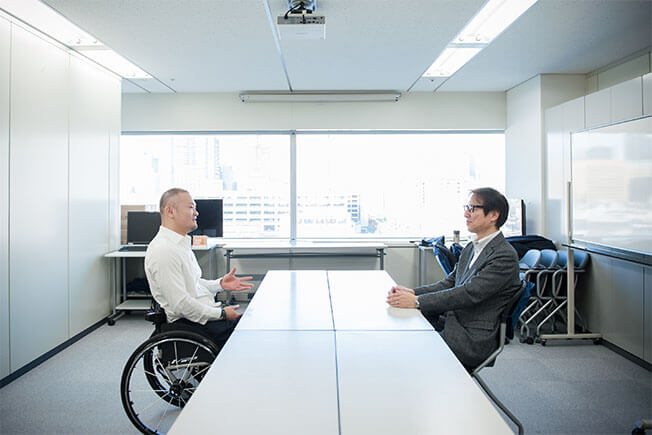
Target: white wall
x,y
525,146
59,122
523,163
38,197
422,110
4,197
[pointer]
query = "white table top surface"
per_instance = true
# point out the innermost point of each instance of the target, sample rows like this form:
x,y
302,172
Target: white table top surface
x,y
138,254
267,382
408,382
359,301
301,245
292,300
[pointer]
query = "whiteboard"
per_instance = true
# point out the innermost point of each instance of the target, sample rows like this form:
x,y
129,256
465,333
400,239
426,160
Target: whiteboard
x,y
612,186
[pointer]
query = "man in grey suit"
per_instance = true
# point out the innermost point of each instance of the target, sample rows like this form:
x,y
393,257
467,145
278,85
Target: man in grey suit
x,y
466,305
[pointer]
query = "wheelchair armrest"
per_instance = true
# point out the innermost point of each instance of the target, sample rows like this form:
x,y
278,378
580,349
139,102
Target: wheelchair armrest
x,y
156,317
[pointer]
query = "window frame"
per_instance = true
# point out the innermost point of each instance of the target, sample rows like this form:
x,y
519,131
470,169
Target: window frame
x,y
293,133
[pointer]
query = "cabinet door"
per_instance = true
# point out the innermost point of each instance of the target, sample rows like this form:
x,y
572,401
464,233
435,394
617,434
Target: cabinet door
x,y
38,205
554,173
627,100
598,108
647,94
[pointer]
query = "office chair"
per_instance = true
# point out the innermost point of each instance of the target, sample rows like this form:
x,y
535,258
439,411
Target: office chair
x,y
559,297
508,319
444,257
456,249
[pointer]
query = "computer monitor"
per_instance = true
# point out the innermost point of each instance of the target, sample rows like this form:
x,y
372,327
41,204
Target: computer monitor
x,y
142,226
209,221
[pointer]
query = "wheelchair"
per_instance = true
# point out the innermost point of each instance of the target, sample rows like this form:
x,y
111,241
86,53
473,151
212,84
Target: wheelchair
x,y
163,372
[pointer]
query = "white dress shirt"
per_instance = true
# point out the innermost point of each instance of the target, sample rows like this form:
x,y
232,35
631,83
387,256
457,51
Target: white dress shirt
x,y
479,245
175,279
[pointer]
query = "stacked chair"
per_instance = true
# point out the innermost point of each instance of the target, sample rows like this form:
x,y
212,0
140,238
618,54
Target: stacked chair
x,y
559,298
549,300
541,300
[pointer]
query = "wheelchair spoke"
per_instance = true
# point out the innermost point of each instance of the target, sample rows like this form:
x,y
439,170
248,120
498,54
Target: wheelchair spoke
x,y
190,362
203,370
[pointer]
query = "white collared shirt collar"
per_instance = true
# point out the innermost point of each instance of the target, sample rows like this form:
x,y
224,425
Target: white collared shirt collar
x,y
173,236
479,245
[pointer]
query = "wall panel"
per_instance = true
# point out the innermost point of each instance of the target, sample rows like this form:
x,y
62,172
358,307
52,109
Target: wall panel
x,y
88,195
38,203
4,196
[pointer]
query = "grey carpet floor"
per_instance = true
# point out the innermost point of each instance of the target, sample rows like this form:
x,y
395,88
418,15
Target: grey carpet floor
x,y
563,388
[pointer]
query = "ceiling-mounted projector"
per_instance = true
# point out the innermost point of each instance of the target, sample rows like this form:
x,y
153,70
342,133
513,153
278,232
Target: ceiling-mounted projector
x,y
300,22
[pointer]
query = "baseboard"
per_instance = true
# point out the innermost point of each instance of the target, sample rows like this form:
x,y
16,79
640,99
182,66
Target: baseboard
x,y
622,352
38,361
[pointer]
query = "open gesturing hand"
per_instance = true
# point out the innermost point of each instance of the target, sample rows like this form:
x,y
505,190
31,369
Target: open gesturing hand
x,y
233,283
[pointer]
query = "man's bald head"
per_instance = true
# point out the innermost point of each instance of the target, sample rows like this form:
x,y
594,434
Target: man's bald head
x,y
169,198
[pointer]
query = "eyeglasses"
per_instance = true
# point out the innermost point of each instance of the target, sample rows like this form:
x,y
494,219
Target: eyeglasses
x,y
471,207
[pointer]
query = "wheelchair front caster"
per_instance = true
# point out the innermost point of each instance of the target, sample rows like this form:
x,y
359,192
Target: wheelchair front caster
x,y
543,342
597,341
529,340
110,322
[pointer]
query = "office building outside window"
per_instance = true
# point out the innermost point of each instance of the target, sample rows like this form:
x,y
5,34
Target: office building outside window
x,y
348,185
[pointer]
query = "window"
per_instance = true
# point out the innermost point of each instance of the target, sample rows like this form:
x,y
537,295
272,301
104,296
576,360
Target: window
x,y
348,184
243,169
392,184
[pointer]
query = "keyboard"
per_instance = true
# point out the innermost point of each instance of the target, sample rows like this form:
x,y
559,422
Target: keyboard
x,y
133,248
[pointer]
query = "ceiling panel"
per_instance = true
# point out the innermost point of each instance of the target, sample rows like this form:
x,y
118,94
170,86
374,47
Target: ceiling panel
x,y
229,46
372,45
558,37
205,46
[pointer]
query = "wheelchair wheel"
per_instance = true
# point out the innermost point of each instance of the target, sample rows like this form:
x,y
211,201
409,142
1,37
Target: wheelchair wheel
x,y
160,377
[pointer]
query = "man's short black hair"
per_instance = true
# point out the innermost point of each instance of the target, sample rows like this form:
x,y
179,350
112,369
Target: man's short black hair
x,y
493,200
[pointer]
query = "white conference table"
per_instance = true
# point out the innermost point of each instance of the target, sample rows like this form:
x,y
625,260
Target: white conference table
x,y
286,371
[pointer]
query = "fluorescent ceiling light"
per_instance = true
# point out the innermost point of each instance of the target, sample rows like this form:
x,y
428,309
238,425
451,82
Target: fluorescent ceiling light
x,y
490,21
54,25
114,62
317,97
452,59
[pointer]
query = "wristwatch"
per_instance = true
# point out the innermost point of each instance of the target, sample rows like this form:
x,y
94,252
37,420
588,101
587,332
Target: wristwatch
x,y
416,304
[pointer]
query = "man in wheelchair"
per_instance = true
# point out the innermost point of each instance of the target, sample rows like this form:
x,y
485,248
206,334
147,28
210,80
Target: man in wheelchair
x,y
174,276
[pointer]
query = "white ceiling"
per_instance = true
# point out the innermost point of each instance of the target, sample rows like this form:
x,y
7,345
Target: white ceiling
x,y
230,46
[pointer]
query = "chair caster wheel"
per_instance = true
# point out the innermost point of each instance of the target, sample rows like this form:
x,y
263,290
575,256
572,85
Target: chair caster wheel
x,y
111,322
597,341
529,340
543,342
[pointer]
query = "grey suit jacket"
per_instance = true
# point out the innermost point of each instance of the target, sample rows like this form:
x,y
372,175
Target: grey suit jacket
x,y
471,299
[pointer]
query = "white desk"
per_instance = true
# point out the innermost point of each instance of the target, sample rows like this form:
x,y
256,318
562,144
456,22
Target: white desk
x,y
290,300
279,382
290,249
119,300
408,382
401,380
359,303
